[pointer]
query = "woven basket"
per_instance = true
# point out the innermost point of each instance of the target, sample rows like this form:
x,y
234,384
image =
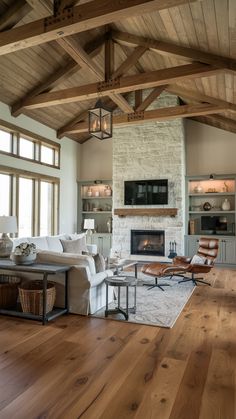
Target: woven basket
x,y
31,297
9,290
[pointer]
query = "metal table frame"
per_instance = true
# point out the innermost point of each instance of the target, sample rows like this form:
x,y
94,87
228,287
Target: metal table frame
x,y
44,270
129,282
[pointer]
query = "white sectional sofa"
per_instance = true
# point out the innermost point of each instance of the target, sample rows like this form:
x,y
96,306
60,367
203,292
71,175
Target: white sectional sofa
x,y
87,290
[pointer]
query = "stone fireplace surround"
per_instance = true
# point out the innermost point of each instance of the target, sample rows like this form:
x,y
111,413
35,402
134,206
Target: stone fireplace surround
x,y
154,150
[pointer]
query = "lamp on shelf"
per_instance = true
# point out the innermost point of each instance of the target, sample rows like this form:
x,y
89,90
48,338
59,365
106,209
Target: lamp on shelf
x,y
100,121
89,225
7,225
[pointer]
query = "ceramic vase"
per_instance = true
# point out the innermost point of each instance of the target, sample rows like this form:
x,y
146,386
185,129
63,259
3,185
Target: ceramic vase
x,y
225,205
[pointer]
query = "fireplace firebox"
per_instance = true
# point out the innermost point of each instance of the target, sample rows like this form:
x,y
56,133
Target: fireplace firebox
x,y
148,242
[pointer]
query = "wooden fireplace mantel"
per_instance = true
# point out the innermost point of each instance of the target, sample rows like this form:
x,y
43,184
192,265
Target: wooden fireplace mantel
x,y
151,212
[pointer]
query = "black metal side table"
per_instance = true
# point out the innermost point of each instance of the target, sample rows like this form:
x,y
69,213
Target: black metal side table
x,y
121,281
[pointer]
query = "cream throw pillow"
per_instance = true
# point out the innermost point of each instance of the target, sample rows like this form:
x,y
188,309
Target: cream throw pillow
x,y
74,246
198,260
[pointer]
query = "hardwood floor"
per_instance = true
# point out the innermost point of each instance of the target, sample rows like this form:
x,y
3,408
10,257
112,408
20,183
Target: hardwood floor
x,y
78,367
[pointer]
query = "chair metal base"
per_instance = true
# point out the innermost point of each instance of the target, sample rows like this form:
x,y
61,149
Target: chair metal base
x,y
194,280
156,285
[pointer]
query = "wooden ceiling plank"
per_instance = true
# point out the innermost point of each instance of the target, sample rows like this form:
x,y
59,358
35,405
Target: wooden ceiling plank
x,y
199,97
161,114
121,85
150,98
43,7
178,51
78,19
14,14
57,76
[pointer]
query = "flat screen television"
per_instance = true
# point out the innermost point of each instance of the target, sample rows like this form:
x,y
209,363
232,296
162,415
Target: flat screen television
x,y
146,192
213,224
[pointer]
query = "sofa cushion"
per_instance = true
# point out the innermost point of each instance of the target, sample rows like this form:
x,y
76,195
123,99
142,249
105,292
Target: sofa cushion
x,y
54,242
76,236
40,242
74,246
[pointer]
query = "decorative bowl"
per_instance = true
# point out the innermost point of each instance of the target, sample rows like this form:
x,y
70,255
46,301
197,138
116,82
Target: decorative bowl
x,y
23,259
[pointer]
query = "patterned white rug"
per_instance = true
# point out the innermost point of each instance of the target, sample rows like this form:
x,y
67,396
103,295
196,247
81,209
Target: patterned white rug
x,y
154,307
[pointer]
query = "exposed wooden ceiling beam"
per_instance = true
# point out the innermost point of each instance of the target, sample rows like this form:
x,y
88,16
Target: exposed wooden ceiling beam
x,y
121,85
78,19
63,4
14,14
217,121
150,98
199,97
83,59
161,114
92,48
177,51
130,61
109,61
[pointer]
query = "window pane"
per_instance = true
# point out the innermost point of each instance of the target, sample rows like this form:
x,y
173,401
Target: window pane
x,y
5,194
26,148
46,155
25,216
5,141
46,200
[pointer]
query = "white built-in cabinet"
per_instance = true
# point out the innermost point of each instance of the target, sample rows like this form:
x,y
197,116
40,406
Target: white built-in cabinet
x,y
201,191
95,202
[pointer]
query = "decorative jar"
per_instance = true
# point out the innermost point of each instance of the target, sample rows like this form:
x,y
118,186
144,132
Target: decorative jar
x,y
207,206
225,205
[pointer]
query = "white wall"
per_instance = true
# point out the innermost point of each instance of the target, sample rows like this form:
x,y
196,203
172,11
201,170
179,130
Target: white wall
x,y
209,150
67,173
96,160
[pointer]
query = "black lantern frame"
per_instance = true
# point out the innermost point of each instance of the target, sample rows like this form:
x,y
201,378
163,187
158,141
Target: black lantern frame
x,y
100,121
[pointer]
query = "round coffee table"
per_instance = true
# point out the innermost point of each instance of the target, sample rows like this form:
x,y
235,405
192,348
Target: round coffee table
x,y
121,281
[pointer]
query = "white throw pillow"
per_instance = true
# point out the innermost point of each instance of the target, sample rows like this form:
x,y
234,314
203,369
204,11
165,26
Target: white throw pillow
x,y
198,260
54,242
39,241
76,236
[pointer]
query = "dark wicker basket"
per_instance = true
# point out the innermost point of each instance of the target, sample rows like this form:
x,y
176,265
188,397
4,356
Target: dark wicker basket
x,y
9,291
31,297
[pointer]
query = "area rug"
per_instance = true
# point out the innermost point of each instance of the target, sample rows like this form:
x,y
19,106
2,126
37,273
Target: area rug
x,y
154,307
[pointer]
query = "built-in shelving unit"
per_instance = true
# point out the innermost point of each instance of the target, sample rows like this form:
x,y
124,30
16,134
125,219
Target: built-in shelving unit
x,y
95,202
210,212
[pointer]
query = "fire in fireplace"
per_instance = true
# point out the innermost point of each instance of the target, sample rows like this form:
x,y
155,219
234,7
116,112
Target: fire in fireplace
x,y
148,242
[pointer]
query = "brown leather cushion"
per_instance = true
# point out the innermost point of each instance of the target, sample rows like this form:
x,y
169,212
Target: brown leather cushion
x,y
153,269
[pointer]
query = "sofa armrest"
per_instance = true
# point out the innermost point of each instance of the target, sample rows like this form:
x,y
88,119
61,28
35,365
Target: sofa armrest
x,y
46,256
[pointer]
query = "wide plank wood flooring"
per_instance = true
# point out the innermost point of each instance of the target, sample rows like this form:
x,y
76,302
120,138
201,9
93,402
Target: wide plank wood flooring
x,y
79,367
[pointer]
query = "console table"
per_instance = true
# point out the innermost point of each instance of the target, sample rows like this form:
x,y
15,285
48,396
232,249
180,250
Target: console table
x,y
44,270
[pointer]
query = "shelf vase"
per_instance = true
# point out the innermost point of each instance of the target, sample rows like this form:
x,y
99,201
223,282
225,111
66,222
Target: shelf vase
x,y
225,205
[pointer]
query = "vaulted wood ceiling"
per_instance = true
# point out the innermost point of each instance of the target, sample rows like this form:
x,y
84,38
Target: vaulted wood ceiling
x,y
57,58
